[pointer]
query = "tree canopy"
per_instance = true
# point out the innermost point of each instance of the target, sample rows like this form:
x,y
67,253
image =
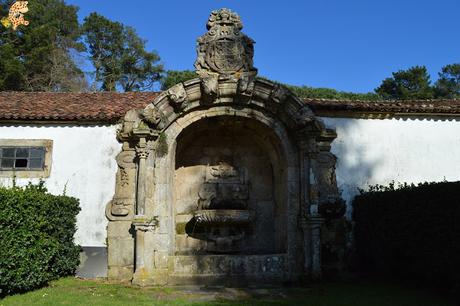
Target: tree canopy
x,y
44,56
39,57
413,83
119,56
448,84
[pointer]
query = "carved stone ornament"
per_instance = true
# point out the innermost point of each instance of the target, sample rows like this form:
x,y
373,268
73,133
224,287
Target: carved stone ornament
x,y
125,160
279,94
303,117
153,116
223,170
224,52
142,152
120,207
177,96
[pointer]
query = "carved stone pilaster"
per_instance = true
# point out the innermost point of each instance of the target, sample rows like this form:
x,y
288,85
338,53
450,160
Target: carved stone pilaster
x,y
311,228
144,263
142,152
122,205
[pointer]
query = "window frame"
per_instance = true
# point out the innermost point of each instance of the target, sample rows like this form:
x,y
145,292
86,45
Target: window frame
x,y
29,172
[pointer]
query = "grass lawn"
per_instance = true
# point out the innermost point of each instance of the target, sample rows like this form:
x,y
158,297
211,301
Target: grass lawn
x,y
72,291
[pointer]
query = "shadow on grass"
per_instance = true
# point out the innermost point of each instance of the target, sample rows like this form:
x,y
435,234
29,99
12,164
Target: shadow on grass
x,y
72,291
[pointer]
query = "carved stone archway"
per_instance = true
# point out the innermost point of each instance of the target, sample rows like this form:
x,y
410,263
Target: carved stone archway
x,y
144,219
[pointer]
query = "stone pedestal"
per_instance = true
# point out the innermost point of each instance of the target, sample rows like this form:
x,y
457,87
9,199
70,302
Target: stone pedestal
x,y
143,262
311,227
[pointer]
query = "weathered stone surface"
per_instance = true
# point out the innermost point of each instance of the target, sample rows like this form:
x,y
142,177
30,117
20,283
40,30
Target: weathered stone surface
x,y
223,164
224,52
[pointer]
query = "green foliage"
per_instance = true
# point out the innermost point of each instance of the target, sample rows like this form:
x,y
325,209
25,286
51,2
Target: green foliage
x,y
119,55
413,83
411,232
73,291
448,84
162,147
36,230
307,92
38,57
173,77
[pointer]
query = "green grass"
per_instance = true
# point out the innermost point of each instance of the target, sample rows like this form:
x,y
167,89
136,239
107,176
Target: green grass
x,y
71,291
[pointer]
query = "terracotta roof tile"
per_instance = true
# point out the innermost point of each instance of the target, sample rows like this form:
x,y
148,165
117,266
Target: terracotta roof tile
x,y
110,107
103,107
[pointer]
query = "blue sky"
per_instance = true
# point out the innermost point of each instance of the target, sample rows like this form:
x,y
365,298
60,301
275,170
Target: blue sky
x,y
347,45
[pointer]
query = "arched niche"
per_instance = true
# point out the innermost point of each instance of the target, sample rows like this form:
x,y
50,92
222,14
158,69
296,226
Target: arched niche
x,y
254,145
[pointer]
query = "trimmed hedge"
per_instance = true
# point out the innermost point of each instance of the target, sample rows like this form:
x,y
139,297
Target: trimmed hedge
x,y
36,230
410,232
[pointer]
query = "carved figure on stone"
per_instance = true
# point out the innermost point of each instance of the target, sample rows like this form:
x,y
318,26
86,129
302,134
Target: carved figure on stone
x,y
279,94
224,52
177,96
153,116
130,122
207,194
223,170
303,117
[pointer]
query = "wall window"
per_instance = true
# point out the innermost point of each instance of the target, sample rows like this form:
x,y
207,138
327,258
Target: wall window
x,y
25,158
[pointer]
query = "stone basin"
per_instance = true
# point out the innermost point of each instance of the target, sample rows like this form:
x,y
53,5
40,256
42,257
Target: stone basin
x,y
223,216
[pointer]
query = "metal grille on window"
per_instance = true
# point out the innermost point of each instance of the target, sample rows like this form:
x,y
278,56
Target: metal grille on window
x,y
22,158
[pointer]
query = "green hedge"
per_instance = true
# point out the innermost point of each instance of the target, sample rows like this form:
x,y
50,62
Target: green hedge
x,y
410,232
36,230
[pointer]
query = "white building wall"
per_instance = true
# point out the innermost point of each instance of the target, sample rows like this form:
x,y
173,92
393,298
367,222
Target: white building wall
x,y
373,151
83,163
369,151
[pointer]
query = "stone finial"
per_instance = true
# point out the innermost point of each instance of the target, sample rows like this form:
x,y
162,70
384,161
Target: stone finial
x,y
224,52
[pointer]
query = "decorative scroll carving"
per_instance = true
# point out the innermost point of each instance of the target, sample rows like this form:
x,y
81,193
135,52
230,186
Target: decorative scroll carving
x,y
125,160
224,52
120,207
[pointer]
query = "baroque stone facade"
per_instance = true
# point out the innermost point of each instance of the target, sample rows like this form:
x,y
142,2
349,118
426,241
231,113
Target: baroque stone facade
x,y
223,178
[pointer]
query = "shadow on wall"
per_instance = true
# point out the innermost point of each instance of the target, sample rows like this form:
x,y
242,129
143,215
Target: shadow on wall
x,y
355,166
93,262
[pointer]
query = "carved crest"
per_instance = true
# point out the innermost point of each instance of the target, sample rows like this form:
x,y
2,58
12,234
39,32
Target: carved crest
x,y
224,49
224,52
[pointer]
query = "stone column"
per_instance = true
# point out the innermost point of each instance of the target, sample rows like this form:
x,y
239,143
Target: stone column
x,y
304,204
144,262
314,223
142,153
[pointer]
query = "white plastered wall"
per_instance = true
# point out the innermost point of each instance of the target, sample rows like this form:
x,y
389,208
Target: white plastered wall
x,y
83,163
369,151
412,150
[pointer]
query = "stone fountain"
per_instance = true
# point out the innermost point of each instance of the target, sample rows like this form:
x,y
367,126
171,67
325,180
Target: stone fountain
x,y
222,208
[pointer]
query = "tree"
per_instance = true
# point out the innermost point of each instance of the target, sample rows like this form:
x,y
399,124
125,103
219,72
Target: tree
x,y
413,83
173,77
448,84
119,56
28,56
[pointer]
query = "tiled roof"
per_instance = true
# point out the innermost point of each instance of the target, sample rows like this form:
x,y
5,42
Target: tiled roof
x,y
410,107
110,107
100,107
